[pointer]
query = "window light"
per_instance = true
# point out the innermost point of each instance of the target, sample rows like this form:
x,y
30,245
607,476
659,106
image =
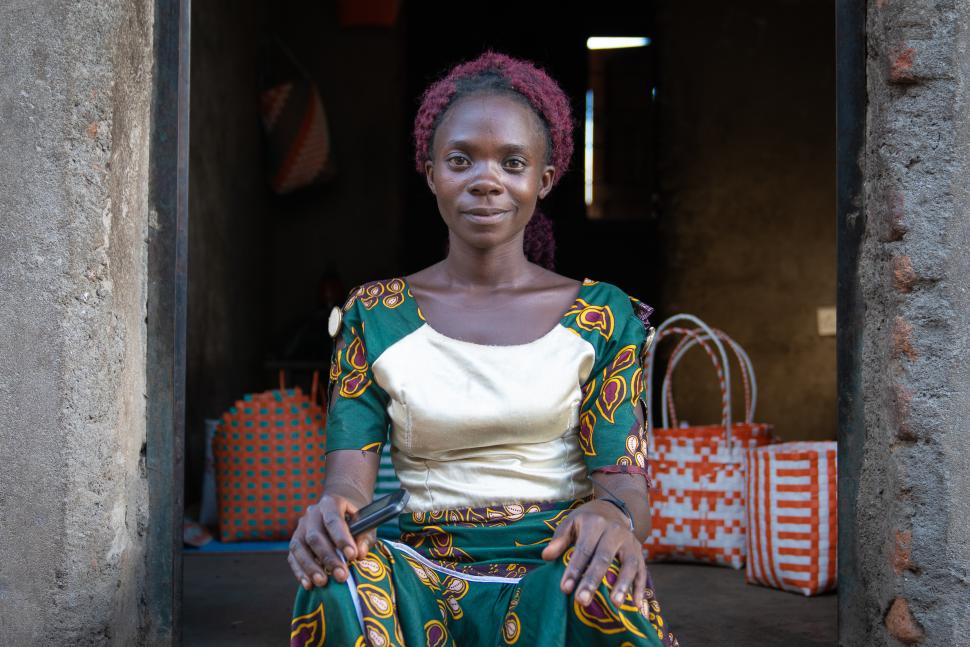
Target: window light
x,y
615,42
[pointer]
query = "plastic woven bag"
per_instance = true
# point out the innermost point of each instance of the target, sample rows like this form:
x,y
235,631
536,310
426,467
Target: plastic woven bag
x,y
270,453
697,502
296,130
793,516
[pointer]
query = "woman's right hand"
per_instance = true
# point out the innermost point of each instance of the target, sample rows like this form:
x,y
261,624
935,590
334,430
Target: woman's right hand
x,y
321,532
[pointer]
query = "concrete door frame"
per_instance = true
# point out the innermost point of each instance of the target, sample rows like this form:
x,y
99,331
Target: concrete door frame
x,y
168,298
851,103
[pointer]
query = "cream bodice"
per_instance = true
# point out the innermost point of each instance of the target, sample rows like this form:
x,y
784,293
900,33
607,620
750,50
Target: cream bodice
x,y
475,425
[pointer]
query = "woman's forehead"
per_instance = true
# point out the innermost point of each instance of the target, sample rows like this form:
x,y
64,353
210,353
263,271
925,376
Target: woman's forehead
x,y
489,118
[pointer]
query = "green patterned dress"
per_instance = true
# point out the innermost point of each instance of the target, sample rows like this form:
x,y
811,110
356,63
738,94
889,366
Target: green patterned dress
x,y
494,445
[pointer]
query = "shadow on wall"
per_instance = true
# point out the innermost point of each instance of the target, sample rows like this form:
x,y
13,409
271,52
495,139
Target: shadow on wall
x,y
748,192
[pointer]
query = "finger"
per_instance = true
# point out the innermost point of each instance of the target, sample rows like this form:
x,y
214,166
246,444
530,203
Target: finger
x,y
311,524
298,571
561,539
338,530
365,541
628,573
586,541
326,554
316,539
596,569
640,583
304,567
295,544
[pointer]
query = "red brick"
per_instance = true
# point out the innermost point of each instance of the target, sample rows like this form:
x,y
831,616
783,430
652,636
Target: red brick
x,y
904,277
901,624
901,551
903,339
901,67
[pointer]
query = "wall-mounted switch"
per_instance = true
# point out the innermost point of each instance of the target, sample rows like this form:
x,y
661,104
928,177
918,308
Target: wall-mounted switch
x,y
826,321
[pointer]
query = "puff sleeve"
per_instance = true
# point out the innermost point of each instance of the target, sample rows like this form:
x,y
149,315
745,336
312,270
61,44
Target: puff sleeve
x,y
613,406
357,415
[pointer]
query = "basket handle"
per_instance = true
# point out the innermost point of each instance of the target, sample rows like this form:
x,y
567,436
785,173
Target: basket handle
x,y
667,329
748,379
314,389
668,415
693,333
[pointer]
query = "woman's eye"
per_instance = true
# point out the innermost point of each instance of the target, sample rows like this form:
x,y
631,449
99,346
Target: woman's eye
x,y
461,160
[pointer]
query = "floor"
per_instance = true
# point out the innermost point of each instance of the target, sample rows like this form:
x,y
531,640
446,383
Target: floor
x,y
244,599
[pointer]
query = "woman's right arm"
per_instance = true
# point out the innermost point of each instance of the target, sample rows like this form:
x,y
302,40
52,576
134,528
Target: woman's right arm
x,y
356,428
323,529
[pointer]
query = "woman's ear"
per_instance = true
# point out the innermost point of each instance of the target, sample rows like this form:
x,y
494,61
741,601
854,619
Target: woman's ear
x,y
429,175
545,181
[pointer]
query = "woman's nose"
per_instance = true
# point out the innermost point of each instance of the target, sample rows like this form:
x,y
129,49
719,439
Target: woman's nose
x,y
485,180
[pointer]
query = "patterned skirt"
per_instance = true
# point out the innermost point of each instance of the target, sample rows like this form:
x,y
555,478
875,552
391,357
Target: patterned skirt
x,y
471,577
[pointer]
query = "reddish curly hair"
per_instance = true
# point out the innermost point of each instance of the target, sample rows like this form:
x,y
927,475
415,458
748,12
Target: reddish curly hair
x,y
494,72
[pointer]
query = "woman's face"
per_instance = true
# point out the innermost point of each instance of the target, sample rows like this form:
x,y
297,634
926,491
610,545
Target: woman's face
x,y
488,168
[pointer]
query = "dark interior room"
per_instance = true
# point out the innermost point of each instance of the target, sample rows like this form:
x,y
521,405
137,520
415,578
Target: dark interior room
x,y
703,182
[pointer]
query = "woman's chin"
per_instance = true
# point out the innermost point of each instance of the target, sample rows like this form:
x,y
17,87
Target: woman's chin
x,y
484,240
483,233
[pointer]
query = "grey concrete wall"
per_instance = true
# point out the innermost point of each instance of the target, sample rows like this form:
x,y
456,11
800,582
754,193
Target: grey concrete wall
x,y
75,88
747,169
912,530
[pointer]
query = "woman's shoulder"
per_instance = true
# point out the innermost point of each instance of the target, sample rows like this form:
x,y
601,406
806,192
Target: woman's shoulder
x,y
388,292
380,312
606,294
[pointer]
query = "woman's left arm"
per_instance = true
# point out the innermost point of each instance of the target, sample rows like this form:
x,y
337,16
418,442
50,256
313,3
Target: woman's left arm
x,y
600,532
613,437
628,487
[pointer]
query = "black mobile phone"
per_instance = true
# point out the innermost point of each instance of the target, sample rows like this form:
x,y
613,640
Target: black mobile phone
x,y
378,511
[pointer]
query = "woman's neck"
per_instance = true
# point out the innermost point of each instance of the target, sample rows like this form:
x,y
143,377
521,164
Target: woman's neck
x,y
502,266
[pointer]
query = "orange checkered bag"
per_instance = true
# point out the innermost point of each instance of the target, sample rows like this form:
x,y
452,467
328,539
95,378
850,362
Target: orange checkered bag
x,y
793,516
697,502
269,450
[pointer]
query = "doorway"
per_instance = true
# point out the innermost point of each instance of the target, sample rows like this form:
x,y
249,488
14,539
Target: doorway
x,y
735,215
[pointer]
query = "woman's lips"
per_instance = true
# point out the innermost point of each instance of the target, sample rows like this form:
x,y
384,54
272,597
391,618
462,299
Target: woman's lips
x,y
483,219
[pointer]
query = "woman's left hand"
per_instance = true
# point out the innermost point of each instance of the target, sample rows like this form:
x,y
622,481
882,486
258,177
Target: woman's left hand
x,y
600,532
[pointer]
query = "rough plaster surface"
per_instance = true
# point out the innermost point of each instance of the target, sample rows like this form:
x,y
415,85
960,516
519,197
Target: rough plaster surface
x,y
747,164
75,88
913,525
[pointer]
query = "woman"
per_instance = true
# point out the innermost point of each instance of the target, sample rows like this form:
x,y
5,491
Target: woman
x,y
514,400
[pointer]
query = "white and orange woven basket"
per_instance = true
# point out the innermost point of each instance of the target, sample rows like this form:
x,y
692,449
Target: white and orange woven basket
x,y
793,516
297,136
698,501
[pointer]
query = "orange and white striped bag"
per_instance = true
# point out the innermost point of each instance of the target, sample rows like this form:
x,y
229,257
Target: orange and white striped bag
x,y
697,501
793,516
